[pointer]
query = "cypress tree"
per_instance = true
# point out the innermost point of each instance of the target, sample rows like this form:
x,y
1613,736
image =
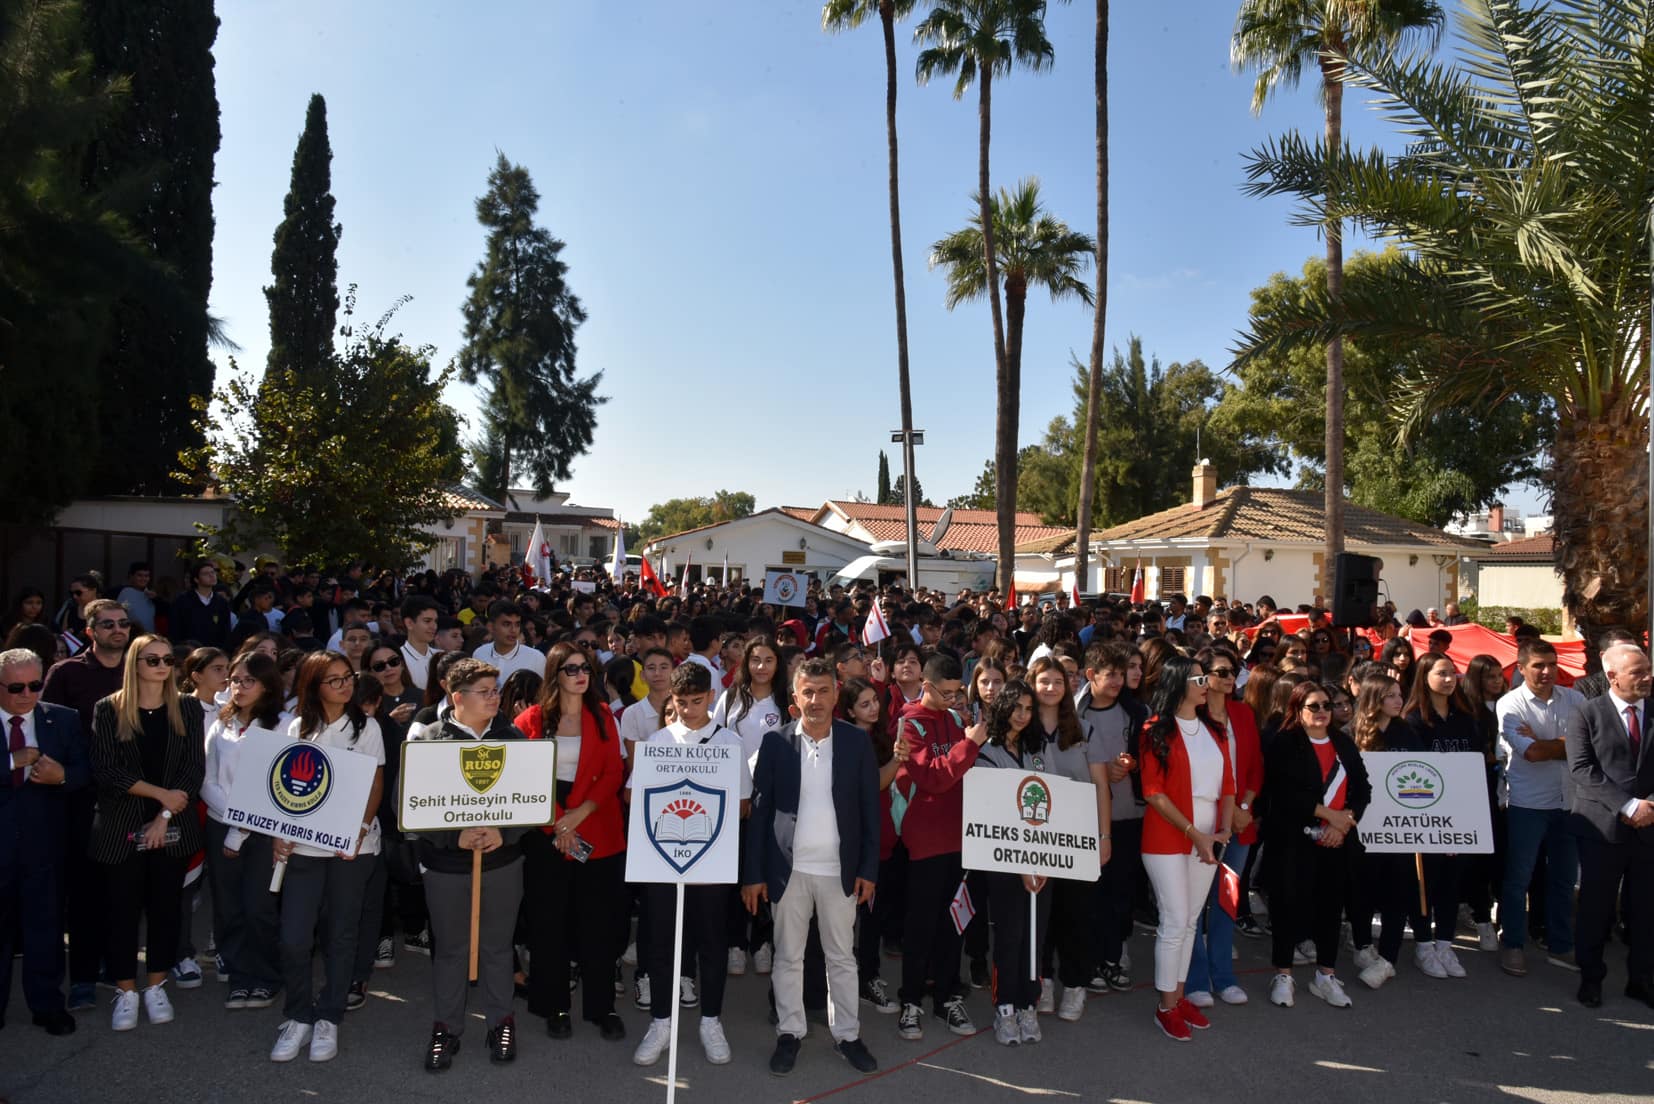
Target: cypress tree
x,y
304,299
884,498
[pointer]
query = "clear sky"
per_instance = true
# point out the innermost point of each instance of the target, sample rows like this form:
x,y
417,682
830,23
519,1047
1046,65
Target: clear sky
x,y
718,172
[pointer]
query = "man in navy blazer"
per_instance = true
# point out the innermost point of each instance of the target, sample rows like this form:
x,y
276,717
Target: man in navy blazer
x,y
46,760
813,852
1611,764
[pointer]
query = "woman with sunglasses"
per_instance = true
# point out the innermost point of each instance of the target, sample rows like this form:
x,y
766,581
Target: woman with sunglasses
x,y
320,885
148,759
1190,791
1387,884
402,699
575,909
1315,789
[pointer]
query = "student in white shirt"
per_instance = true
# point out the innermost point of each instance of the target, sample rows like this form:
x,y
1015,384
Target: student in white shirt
x,y
505,649
419,621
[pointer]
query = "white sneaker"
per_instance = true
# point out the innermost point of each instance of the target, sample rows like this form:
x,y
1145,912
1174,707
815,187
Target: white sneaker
x,y
1006,1032
125,1017
713,1041
1304,954
291,1040
324,1041
157,1008
1378,973
763,958
737,962
1125,958
1449,961
1328,988
641,993
654,1044
629,956
1028,1025
1486,938
686,993
1367,956
1047,997
1200,998
1281,989
1072,1005
1233,994
1424,957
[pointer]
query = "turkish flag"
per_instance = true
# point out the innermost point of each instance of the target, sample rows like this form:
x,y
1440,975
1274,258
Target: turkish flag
x,y
650,579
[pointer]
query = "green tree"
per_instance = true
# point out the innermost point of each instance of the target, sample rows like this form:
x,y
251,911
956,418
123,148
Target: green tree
x,y
1522,200
357,480
304,298
1094,379
975,41
158,153
898,493
1280,38
678,514
884,498
981,494
520,319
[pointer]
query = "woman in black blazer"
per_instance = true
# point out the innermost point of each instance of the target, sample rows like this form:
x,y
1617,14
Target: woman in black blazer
x,y
148,759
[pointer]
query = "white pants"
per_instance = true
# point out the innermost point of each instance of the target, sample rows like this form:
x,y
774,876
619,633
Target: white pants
x,y
1181,883
835,912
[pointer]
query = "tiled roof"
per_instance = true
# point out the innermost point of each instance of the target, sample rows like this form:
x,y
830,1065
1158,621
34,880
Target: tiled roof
x,y
1541,547
1278,514
1062,542
802,513
968,531
782,510
461,497
873,511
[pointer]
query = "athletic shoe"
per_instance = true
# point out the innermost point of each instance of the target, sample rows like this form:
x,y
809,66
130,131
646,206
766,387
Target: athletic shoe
x,y
125,1016
157,1008
1378,973
1098,984
979,973
1200,998
958,1020
1514,961
261,997
1028,1025
440,1054
687,996
1304,954
418,943
220,967
629,956
1425,958
640,992
1172,1024
1192,1016
763,959
502,1042
1281,989
785,1056
1233,994
737,962
611,1027
620,980
713,1041
1329,989
1072,1005
324,1041
911,1023
1249,927
292,1039
1366,956
384,956
82,997
856,1053
1115,975
1006,1031
357,996
1449,961
875,992
1125,958
1486,938
1565,960
187,974
574,976
654,1044
236,1000
1047,997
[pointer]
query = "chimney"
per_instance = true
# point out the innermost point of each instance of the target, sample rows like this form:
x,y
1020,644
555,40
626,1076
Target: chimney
x,y
1206,484
1496,518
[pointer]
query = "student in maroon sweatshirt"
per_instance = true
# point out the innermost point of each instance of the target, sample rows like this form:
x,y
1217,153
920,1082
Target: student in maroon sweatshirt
x,y
940,752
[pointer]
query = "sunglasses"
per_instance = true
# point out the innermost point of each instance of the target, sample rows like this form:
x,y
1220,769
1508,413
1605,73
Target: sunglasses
x,y
156,660
1317,707
385,664
26,687
1199,680
123,623
1221,672
574,670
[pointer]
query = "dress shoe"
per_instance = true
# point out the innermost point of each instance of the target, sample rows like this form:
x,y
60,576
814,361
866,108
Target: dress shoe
x,y
55,1023
1590,994
559,1025
612,1027
1636,990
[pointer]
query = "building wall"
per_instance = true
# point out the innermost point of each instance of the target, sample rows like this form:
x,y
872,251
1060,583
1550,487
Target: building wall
x,y
756,545
1526,586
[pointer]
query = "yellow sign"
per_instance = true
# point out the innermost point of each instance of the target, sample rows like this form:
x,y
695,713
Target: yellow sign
x,y
793,557
482,765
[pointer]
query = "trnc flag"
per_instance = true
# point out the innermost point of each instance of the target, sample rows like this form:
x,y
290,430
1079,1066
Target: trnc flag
x,y
1138,591
1074,597
651,582
537,558
1011,596
961,908
876,628
617,569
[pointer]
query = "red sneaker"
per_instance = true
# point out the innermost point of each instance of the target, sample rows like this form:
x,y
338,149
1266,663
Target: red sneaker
x,y
1192,1016
1171,1022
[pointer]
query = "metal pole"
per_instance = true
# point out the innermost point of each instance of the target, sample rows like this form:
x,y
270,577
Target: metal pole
x,y
912,512
1648,413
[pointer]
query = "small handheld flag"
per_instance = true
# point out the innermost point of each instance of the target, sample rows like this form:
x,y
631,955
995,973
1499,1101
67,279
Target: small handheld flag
x,y
876,629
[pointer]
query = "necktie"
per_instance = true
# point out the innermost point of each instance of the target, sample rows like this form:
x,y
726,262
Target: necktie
x,y
1632,729
16,745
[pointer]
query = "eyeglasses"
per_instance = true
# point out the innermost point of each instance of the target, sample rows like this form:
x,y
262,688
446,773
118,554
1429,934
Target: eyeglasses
x,y
243,680
157,660
488,692
123,623
1199,680
1221,672
338,682
574,670
586,644
25,687
1317,707
385,664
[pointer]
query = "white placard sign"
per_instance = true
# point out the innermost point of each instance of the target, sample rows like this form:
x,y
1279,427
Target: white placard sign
x,y
1026,822
300,791
452,784
1427,802
785,588
686,813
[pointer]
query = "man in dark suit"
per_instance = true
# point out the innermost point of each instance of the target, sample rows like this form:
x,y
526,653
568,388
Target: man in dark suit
x,y
1611,763
46,761
813,852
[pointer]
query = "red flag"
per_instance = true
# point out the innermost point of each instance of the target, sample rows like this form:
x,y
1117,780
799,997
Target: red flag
x,y
1011,596
961,908
1075,597
650,580
1229,891
1138,591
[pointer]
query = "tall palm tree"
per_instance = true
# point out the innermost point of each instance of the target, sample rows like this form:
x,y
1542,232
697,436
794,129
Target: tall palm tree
x,y
1523,202
975,41
1094,377
1280,38
843,15
1031,249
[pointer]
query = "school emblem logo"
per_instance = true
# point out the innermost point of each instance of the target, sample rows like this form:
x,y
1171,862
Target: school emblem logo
x,y
482,765
786,589
1033,801
300,779
1414,785
682,820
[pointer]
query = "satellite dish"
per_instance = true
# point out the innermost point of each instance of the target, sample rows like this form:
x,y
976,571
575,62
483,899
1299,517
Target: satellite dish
x,y
942,524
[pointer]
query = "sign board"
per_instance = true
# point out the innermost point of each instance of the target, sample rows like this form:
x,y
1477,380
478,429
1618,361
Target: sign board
x,y
1026,822
1427,802
452,784
583,586
785,588
299,791
792,557
686,813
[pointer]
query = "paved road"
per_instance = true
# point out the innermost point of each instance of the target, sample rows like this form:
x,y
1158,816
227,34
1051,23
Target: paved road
x,y
1487,1038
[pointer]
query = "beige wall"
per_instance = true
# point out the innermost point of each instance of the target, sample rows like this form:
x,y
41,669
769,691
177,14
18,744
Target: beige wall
x,y
1526,586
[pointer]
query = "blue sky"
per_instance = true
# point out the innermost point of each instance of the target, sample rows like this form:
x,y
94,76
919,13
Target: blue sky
x,y
718,173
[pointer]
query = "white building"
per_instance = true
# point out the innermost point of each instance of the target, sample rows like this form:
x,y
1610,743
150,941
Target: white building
x,y
774,539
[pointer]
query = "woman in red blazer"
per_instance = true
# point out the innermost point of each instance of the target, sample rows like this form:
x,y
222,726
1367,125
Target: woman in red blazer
x,y
1190,791
574,907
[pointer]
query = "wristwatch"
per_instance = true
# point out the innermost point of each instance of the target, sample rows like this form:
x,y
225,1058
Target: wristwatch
x,y
166,814
1247,805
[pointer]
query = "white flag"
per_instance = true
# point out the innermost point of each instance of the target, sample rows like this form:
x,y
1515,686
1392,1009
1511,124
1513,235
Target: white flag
x,y
537,558
726,569
875,629
617,569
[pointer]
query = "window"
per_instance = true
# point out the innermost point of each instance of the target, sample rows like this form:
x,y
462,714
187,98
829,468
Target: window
x,y
599,546
1171,580
568,544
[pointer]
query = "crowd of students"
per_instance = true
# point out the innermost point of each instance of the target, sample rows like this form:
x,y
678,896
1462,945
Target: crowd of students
x,y
1215,743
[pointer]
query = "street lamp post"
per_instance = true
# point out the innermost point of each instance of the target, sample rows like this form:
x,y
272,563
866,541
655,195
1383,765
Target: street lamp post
x,y
907,439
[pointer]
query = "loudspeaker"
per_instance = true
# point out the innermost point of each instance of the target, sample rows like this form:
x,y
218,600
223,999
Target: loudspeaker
x,y
1354,590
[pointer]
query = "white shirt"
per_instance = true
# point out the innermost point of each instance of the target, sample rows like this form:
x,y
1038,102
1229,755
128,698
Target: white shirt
x,y
815,837
1536,785
764,716
29,740
710,733
223,749
639,722
520,658
337,735
1205,761
418,666
710,665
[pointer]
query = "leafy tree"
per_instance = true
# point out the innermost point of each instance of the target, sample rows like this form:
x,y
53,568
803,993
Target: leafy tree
x,y
520,320
1522,201
884,498
304,299
1094,379
1280,38
981,495
357,480
898,493
975,41
677,514
157,153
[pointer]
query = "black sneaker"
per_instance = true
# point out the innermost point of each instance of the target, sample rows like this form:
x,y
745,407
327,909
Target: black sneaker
x,y
502,1042
876,993
612,1027
357,997
785,1056
979,973
440,1054
854,1052
910,1024
261,997
559,1025
419,943
954,1014
1116,977
1249,926
237,999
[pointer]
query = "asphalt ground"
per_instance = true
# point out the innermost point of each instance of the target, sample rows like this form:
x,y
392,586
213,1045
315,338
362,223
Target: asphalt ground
x,y
1488,1037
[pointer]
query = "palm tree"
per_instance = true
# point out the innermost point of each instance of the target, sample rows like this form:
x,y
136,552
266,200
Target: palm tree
x,y
1279,38
1523,201
977,40
841,15
1031,248
1094,378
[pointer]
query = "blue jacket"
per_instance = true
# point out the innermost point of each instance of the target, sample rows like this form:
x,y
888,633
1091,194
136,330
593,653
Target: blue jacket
x,y
35,815
768,855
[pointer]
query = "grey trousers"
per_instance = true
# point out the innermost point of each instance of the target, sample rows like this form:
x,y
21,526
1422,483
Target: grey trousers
x,y
448,897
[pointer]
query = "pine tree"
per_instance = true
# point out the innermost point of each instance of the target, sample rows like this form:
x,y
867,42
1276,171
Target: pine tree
x,y
304,299
520,320
884,498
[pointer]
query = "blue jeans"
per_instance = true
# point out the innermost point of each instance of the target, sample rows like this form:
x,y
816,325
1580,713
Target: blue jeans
x,y
1526,830
1212,967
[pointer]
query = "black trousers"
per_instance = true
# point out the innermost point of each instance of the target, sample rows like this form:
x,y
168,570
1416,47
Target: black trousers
x,y
704,926
1443,882
83,888
746,931
246,915
30,894
1014,980
146,886
1067,950
575,914
1382,884
885,917
1306,894
1602,867
930,943
976,932
1117,888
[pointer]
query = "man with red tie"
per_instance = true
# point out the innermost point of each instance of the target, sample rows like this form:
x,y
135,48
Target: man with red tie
x,y
1611,763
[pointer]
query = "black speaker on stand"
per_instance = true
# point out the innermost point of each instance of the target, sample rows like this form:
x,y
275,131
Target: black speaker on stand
x,y
1354,590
